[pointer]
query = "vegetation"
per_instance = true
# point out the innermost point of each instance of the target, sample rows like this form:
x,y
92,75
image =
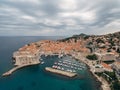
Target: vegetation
x,y
92,57
99,40
111,78
28,44
86,37
109,62
115,85
76,37
106,42
111,74
118,50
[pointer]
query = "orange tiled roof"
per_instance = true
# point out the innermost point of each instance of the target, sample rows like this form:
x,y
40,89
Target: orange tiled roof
x,y
106,66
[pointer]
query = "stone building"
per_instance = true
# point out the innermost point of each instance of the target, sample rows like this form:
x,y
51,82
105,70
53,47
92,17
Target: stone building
x,y
25,57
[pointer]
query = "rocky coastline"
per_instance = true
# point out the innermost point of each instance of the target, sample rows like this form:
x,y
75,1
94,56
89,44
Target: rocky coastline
x,y
104,84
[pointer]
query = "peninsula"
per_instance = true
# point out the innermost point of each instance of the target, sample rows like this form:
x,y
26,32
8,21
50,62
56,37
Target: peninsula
x,y
31,54
94,50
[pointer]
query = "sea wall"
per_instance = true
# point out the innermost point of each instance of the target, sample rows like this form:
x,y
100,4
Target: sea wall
x,y
64,73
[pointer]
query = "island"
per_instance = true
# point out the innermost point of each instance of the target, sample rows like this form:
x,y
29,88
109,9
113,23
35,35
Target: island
x,y
100,52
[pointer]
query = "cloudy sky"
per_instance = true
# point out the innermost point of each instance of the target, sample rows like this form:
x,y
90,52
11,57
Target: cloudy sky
x,y
58,17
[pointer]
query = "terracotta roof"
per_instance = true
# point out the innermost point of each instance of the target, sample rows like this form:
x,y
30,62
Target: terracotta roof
x,y
106,66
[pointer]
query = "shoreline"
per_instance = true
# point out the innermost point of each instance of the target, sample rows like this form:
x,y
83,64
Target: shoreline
x,y
95,78
104,84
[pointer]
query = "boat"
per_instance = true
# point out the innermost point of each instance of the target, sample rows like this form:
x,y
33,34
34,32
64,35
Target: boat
x,y
79,68
53,66
71,66
42,62
60,61
55,63
73,71
60,56
58,67
62,68
75,68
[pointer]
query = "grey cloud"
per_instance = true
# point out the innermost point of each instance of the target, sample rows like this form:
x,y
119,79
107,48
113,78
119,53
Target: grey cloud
x,y
45,17
104,14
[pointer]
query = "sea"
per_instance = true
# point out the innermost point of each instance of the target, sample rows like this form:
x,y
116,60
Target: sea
x,y
35,77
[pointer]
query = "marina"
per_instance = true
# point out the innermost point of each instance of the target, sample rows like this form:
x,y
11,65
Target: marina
x,y
65,64
68,65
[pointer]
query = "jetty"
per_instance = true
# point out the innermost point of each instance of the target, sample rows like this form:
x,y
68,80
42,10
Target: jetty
x,y
61,72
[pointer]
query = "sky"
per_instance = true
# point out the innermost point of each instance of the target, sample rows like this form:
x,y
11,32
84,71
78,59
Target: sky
x,y
58,17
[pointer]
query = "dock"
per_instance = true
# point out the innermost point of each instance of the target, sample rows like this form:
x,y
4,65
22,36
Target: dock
x,y
61,72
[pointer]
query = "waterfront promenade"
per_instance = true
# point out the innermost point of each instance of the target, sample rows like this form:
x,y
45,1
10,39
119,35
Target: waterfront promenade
x,y
104,84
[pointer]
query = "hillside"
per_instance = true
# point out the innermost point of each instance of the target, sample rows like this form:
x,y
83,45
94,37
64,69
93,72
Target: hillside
x,y
106,43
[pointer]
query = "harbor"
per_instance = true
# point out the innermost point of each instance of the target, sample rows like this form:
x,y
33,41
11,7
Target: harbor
x,y
31,54
65,64
65,67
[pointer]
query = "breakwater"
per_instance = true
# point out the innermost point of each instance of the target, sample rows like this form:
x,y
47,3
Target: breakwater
x,y
16,68
61,72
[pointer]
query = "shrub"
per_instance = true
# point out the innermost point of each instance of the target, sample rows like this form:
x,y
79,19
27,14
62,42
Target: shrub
x,y
92,57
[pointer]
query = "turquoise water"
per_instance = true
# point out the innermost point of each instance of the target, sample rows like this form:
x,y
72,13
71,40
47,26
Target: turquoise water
x,y
35,77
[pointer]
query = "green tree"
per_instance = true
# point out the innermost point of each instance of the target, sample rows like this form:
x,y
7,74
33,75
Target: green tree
x,y
92,57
